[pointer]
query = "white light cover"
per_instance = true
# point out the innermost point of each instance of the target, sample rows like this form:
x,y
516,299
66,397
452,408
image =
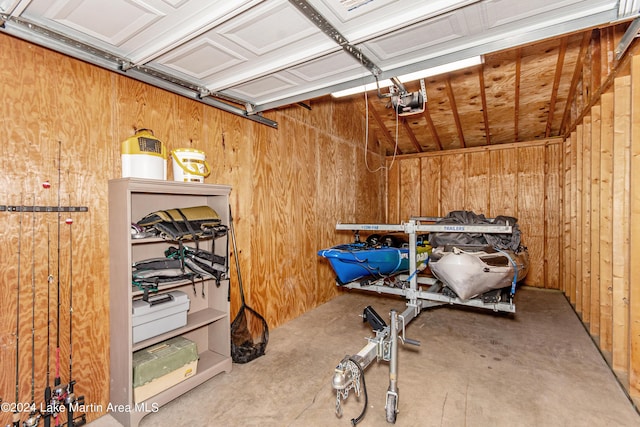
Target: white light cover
x,y
433,71
441,69
364,88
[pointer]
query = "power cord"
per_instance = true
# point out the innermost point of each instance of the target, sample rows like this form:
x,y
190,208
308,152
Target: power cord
x,y
359,418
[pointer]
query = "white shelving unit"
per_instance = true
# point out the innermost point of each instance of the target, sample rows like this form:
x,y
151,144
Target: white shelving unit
x,y
208,322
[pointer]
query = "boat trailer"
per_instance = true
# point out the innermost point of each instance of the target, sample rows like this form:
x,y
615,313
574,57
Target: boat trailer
x,y
420,293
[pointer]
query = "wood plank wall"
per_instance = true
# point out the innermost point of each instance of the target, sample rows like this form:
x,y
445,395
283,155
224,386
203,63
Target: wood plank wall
x,y
600,222
634,234
290,187
600,214
520,180
577,199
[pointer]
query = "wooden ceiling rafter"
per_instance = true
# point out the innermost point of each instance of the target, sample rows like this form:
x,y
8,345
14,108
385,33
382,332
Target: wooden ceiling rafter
x,y
432,128
383,129
516,102
609,46
577,72
556,84
483,96
596,60
538,90
617,70
454,112
587,77
411,135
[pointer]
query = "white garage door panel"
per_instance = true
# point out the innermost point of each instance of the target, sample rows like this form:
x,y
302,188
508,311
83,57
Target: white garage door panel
x,y
233,65
313,76
139,29
257,37
330,66
273,52
377,17
263,87
261,29
474,30
502,12
202,58
187,22
416,38
112,22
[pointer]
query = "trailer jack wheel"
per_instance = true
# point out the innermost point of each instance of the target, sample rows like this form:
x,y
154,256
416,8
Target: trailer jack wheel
x,y
392,407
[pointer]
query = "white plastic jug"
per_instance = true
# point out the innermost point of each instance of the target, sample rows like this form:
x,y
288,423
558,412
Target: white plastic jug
x,y
144,156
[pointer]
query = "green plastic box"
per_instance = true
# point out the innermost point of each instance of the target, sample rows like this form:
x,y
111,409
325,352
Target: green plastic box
x,y
163,365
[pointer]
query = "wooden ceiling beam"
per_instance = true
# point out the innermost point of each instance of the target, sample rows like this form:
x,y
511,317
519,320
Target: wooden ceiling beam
x,y
556,84
581,62
385,132
607,58
618,69
454,111
483,95
596,60
412,136
516,106
577,72
432,128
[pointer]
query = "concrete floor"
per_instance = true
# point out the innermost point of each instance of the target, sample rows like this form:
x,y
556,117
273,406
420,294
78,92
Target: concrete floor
x,y
474,368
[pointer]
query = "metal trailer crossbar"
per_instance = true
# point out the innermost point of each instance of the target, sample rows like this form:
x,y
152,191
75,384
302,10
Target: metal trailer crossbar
x,y
420,293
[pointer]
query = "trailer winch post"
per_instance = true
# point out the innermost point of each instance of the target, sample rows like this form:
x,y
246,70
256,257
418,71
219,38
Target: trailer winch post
x,y
391,406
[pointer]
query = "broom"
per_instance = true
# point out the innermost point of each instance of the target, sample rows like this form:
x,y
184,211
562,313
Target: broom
x,y
244,348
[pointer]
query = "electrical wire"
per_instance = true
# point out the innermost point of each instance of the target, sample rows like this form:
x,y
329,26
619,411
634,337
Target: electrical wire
x,y
366,131
359,418
366,138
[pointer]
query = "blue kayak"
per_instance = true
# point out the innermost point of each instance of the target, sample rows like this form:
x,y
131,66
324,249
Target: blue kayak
x,y
353,261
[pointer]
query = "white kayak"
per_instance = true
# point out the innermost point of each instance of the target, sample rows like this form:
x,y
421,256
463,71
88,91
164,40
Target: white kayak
x,y
473,270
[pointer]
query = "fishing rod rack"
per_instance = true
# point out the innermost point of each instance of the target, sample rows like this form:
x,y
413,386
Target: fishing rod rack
x,y
420,293
61,397
44,209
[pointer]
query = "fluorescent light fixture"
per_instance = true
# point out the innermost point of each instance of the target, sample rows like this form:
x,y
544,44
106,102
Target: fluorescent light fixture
x,y
429,72
364,88
441,69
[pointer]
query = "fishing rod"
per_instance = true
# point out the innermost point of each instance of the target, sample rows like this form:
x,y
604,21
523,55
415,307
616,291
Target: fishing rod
x,y
34,415
58,393
63,394
70,397
47,391
16,413
71,400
